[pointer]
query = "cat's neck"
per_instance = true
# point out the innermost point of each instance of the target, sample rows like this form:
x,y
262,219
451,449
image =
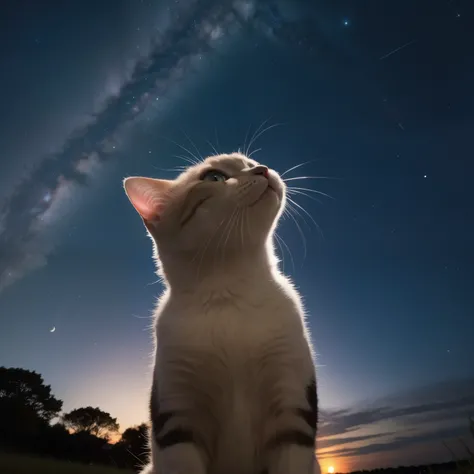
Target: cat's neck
x,y
218,272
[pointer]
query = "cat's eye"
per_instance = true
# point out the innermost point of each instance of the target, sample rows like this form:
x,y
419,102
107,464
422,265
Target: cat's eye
x,y
213,175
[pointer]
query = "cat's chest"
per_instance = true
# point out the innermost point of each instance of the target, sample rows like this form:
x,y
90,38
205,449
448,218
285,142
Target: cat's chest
x,y
233,328
230,347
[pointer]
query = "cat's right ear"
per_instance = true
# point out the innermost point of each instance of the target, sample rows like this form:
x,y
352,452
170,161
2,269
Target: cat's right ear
x,y
147,195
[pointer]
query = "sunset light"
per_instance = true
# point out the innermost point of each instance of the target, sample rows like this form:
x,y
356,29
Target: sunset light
x,y
331,469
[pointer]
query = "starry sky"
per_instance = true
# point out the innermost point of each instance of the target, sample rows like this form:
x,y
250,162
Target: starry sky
x,y
377,96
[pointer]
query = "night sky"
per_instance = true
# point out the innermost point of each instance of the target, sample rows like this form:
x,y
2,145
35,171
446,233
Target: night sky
x,y
376,95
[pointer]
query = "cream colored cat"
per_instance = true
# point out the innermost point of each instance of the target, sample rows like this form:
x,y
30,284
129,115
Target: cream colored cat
x,y
234,388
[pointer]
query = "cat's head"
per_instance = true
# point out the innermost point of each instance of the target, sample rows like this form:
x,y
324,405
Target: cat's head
x,y
227,203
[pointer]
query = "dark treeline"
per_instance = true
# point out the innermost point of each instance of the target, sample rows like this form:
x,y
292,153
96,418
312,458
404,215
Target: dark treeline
x,y
31,422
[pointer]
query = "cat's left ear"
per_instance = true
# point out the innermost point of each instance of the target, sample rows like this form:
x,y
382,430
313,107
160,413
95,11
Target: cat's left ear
x,y
147,195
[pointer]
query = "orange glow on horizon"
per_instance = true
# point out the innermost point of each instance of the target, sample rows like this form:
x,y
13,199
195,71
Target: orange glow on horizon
x,y
332,466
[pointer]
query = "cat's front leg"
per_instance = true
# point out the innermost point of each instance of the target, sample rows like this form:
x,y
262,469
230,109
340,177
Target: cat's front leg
x,y
291,445
294,459
176,446
177,436
181,458
178,458
149,469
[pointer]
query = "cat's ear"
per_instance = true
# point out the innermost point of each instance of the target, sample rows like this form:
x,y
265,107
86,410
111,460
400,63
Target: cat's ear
x,y
147,195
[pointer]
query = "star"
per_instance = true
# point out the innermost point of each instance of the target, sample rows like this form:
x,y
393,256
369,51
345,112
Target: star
x,y
425,176
345,22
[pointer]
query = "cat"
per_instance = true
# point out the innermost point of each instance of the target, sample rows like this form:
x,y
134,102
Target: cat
x,y
234,383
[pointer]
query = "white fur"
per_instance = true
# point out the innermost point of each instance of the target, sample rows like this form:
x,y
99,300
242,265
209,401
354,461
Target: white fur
x,y
232,347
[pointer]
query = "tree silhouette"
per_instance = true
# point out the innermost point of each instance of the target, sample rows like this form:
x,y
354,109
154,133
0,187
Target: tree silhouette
x,y
26,403
136,436
91,420
135,440
28,388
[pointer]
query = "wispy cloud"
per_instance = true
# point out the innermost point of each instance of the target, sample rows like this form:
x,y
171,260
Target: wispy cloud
x,y
392,427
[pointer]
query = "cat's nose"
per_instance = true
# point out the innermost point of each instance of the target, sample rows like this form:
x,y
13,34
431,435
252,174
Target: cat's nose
x,y
260,169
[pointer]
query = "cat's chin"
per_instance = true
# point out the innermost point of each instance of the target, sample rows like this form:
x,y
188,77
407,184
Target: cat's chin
x,y
269,194
272,190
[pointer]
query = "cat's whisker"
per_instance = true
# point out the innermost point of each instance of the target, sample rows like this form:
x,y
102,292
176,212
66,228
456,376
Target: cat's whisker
x,y
159,280
296,211
221,236
194,146
197,160
224,233
204,249
187,159
253,135
286,211
287,248
141,317
228,224
137,458
229,229
266,129
296,166
311,191
302,193
214,149
290,214
176,169
294,178
255,151
281,255
235,223
245,139
299,206
308,214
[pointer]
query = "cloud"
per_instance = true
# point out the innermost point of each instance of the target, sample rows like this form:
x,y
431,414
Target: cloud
x,y
29,216
397,444
337,441
429,415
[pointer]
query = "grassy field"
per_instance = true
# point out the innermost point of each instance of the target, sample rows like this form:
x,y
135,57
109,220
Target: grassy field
x,y
23,464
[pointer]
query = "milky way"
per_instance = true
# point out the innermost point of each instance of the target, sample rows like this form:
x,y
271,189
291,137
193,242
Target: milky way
x,y
47,195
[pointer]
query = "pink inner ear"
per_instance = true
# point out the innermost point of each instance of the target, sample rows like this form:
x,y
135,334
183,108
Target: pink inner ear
x,y
147,196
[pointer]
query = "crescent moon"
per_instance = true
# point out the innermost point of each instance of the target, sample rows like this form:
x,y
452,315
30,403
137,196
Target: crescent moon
x,y
52,329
